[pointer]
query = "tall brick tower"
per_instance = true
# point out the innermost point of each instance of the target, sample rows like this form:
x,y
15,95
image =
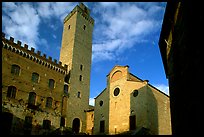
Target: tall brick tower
x,y
76,52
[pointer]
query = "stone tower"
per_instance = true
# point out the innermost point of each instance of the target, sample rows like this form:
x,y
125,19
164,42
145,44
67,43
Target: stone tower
x,y
76,52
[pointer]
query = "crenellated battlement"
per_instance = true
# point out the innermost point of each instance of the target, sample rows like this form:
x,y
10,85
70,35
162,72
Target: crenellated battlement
x,y
83,10
9,44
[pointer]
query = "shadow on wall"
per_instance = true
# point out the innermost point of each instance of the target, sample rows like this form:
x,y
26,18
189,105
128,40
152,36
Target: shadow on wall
x,y
143,118
12,125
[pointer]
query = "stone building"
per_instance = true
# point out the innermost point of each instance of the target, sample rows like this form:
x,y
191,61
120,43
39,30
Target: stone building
x,y
40,95
129,103
181,47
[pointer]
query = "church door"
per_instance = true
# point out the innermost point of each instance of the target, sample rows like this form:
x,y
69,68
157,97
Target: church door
x,y
132,122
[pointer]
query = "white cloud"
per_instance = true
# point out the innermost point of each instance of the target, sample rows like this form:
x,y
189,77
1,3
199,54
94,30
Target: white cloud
x,y
118,26
163,88
21,22
124,23
54,9
91,101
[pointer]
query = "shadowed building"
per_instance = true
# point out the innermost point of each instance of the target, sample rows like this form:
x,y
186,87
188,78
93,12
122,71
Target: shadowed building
x,y
40,95
131,104
180,44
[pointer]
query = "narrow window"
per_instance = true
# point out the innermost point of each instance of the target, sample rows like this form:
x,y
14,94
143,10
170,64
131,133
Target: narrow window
x,y
11,93
32,98
79,95
49,102
51,83
67,77
68,27
35,77
102,126
15,70
46,124
84,27
80,78
81,67
66,89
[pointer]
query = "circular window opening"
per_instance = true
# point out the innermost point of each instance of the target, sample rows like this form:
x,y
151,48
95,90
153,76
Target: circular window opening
x,y
116,91
101,103
135,93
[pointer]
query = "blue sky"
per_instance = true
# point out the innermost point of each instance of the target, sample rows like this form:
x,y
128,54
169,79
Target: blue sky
x,y
125,33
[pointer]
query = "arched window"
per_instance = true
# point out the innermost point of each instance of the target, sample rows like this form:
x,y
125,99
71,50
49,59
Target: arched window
x,y
35,77
15,70
49,102
11,92
51,83
32,98
66,89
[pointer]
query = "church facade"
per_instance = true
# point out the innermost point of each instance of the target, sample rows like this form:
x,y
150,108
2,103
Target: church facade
x,y
40,95
130,104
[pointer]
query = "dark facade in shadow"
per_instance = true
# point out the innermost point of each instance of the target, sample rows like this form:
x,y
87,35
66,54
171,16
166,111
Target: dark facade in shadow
x,y
12,125
143,105
181,44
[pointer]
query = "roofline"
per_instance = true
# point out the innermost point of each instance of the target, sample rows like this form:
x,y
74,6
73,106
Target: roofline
x,y
151,85
136,77
115,67
158,90
100,93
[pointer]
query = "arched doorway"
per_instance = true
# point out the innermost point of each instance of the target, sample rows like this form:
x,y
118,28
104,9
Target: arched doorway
x,y
76,125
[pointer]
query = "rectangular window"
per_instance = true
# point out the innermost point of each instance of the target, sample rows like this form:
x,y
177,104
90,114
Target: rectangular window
x,y
35,77
31,99
69,27
84,27
49,102
80,78
11,93
51,83
15,70
66,89
102,126
79,95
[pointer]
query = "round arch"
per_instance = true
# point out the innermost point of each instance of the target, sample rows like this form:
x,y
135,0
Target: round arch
x,y
76,125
